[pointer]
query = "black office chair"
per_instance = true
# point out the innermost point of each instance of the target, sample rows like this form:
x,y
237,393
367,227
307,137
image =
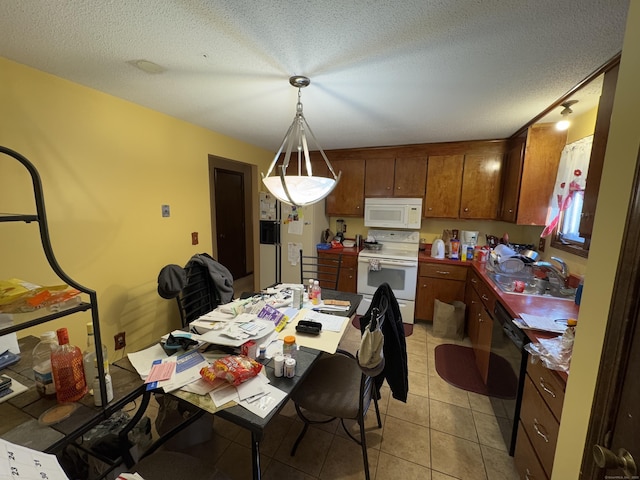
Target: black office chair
x,y
325,269
336,387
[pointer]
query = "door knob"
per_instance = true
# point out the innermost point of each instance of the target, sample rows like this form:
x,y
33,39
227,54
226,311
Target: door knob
x,y
605,458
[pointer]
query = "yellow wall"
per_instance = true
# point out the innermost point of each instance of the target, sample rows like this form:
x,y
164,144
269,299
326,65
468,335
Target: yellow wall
x,y
107,166
613,199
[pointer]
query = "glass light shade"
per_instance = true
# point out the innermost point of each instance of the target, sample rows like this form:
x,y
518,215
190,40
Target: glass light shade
x,y
302,190
562,125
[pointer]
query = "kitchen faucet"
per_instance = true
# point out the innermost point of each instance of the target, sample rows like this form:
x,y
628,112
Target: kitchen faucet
x,y
561,274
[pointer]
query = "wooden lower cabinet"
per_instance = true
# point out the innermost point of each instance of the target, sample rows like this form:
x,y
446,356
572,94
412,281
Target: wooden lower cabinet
x,y
438,281
348,280
480,330
540,415
527,464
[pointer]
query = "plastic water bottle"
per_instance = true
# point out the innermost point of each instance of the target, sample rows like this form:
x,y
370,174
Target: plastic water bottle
x,y
67,369
316,293
90,359
42,364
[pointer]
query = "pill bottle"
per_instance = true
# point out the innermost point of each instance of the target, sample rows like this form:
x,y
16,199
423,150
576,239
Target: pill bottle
x,y
290,367
289,348
278,365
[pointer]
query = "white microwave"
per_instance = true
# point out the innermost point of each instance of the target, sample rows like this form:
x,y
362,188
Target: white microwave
x,y
393,212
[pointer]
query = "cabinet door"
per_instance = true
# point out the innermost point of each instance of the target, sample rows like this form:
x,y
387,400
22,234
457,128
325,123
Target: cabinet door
x,y
481,186
379,177
482,348
348,281
511,181
410,177
444,185
541,159
348,196
474,305
430,289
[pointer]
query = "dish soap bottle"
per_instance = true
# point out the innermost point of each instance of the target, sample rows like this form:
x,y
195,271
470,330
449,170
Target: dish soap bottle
x,y
68,372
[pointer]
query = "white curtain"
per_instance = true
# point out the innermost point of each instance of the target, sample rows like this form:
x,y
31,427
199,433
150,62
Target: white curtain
x,y
572,177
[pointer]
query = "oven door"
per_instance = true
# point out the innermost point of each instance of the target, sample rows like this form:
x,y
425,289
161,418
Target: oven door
x,y
401,275
407,308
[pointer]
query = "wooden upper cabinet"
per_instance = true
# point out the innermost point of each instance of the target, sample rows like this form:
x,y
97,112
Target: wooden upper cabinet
x,y
444,185
512,172
480,196
596,161
540,168
379,177
348,197
399,177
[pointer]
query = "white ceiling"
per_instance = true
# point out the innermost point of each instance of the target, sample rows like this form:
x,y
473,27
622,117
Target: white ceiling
x,y
382,72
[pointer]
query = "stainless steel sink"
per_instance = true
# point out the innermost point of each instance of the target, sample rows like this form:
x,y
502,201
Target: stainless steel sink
x,y
536,287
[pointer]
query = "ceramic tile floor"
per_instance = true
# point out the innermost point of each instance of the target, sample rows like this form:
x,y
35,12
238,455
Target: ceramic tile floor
x,y
441,433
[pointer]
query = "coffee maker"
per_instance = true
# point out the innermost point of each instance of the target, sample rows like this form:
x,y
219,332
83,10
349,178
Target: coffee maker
x,y
469,238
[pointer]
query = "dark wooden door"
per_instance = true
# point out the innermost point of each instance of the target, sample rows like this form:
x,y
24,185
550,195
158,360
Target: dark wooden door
x,y
615,416
230,224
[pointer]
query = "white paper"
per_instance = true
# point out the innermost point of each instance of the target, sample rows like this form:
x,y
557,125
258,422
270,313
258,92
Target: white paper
x,y
332,323
224,395
27,464
263,405
293,253
143,360
10,340
252,387
295,227
187,370
536,322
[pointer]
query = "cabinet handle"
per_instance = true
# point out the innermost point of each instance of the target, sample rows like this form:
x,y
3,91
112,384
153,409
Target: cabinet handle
x,y
358,207
536,427
547,389
399,188
473,280
466,209
430,208
528,476
443,273
388,188
485,298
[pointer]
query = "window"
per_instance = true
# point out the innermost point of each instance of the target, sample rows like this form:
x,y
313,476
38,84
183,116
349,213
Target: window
x,y
569,225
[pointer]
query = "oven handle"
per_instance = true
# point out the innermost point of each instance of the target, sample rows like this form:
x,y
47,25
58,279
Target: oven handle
x,y
391,263
369,300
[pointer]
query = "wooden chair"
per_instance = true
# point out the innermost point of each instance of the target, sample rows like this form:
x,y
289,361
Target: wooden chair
x,y
325,269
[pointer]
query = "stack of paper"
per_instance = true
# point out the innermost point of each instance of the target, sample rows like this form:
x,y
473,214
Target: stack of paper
x,y
536,322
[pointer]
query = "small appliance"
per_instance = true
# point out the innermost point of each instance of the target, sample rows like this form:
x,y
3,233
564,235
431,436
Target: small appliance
x,y
437,248
397,213
468,237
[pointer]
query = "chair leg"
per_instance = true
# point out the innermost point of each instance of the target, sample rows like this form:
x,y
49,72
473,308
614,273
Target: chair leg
x,y
363,444
375,403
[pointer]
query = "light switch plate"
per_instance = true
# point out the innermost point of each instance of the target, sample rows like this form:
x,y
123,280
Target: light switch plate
x,y
166,211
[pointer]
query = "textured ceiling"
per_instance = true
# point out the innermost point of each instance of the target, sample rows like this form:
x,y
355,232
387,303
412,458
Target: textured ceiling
x,y
382,72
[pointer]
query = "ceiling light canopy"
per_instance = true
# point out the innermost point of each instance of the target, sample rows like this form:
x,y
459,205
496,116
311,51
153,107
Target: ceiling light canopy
x,y
295,183
566,111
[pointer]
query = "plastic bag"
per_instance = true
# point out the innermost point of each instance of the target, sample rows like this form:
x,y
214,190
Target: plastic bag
x,y
235,369
552,352
448,320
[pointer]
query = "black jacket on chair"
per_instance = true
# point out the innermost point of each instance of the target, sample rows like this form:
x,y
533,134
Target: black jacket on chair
x,y
395,346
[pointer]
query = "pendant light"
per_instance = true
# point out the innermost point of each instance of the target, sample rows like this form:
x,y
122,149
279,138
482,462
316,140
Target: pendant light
x,y
290,178
564,123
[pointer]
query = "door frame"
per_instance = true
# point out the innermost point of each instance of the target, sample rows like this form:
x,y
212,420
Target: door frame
x,y
621,324
251,212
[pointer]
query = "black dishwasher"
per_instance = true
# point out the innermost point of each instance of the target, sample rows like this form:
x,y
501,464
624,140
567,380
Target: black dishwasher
x,y
508,342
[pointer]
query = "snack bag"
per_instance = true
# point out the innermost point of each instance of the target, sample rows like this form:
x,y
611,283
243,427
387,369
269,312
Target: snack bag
x,y
235,369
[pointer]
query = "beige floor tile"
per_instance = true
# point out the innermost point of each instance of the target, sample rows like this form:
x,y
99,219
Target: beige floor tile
x,y
488,427
456,456
273,435
452,419
416,410
279,471
385,397
394,468
407,441
484,404
418,383
498,464
311,452
211,452
344,461
441,390
441,476
373,433
226,429
236,463
417,363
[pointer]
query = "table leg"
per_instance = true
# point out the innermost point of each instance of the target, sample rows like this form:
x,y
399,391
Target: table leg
x,y
255,455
